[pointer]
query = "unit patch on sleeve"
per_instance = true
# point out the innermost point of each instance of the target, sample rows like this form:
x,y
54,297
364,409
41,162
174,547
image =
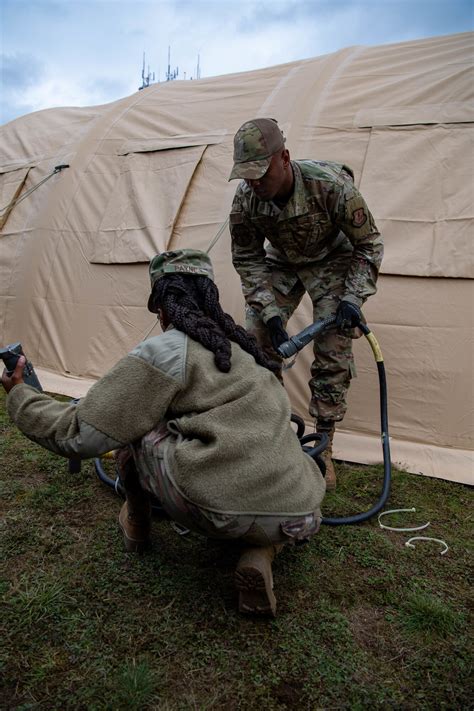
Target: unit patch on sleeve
x,y
241,236
359,218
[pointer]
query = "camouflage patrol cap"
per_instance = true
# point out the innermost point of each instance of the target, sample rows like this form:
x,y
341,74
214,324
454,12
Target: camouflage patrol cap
x,y
255,143
179,261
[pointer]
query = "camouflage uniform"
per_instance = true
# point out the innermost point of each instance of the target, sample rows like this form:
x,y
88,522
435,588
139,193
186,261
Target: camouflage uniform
x,y
149,455
323,242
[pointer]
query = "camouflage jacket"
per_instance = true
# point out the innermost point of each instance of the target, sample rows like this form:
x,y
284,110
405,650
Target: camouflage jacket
x,y
325,214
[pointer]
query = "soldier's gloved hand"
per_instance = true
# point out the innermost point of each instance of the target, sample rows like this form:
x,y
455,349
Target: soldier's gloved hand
x,y
278,335
347,316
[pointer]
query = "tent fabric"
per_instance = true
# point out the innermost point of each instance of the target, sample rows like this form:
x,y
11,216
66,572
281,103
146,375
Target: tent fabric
x,y
132,230
12,184
149,172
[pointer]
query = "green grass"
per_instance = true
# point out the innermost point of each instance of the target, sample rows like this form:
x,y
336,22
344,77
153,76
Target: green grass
x,y
363,622
423,612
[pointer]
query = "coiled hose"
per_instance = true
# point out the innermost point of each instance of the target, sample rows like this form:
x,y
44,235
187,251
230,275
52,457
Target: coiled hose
x,y
295,344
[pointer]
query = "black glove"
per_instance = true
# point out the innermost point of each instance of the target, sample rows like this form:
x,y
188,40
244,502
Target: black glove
x,y
347,316
278,335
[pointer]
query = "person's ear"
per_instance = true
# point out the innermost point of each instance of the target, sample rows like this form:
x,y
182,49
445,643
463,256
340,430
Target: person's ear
x,y
163,319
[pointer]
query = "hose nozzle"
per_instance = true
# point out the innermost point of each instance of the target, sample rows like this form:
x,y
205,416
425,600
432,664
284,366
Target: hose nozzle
x,y
296,343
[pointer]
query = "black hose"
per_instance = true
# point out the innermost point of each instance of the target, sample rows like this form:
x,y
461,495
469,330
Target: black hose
x,y
295,344
74,465
113,483
156,508
387,466
308,334
300,425
314,452
323,439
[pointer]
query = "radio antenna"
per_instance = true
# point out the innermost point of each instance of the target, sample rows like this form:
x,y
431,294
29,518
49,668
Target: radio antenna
x,y
147,78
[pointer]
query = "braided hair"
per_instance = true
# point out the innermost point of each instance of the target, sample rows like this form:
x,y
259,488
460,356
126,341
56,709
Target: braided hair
x,y
192,305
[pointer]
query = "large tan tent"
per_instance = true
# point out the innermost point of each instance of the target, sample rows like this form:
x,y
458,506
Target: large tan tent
x,y
149,172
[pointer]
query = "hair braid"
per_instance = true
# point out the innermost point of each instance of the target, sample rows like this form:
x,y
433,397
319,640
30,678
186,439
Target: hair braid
x,y
192,305
232,330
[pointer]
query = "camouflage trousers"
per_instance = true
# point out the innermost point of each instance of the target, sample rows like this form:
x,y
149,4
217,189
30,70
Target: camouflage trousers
x,y
150,456
333,365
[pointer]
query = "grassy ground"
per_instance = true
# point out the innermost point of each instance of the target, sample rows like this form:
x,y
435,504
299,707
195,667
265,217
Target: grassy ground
x,y
363,622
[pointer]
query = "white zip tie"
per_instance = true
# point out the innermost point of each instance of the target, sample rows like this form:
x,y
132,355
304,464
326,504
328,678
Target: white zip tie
x,y
394,528
427,538
179,528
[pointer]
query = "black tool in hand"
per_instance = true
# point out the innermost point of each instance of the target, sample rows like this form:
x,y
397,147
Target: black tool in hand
x,y
10,356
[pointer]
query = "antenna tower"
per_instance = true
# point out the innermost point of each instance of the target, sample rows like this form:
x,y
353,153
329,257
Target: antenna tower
x,y
146,78
171,75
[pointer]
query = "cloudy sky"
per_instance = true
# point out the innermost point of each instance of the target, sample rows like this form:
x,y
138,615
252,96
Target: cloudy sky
x,y
86,52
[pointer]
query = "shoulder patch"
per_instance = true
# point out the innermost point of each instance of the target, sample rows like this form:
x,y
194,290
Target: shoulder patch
x,y
236,218
241,238
359,217
240,234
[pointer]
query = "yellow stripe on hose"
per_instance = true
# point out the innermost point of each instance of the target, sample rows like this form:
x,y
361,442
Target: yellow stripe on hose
x,y
375,347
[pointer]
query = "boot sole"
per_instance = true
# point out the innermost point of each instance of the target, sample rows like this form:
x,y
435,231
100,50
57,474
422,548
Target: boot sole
x,y
132,546
255,592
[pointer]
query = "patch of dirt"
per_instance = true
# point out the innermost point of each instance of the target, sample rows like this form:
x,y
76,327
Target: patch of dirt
x,y
373,632
288,693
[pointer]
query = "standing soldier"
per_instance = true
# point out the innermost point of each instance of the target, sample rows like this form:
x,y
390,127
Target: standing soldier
x,y
302,226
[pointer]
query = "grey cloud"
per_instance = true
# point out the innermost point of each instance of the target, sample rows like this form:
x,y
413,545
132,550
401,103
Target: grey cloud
x,y
20,70
265,15
14,9
372,18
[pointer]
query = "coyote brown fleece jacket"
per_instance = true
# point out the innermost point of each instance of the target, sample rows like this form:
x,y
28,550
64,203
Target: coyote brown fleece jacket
x,y
234,451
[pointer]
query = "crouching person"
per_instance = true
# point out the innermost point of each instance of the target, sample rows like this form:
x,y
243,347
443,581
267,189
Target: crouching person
x,y
200,421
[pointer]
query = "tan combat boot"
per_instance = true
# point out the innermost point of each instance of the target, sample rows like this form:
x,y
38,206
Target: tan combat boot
x,y
328,427
135,522
254,580
135,514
